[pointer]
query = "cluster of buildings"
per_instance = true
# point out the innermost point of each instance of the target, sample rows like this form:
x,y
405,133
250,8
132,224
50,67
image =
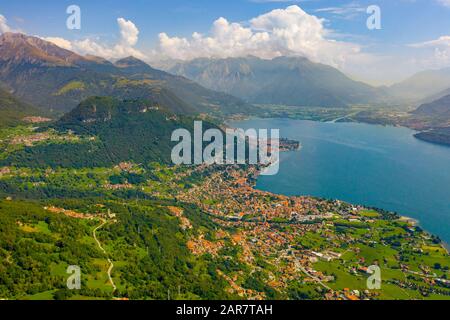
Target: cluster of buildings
x,y
69,213
270,227
30,140
36,119
4,171
233,196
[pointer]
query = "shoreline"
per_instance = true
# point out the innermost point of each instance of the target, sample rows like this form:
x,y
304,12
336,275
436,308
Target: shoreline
x,y
417,133
416,223
412,221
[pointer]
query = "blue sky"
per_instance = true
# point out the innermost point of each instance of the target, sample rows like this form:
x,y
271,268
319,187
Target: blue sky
x,y
404,23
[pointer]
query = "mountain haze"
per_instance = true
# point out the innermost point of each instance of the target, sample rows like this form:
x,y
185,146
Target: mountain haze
x,y
437,113
424,86
294,81
439,108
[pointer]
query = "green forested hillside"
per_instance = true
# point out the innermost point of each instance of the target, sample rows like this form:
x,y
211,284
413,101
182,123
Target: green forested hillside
x,y
12,111
114,131
146,242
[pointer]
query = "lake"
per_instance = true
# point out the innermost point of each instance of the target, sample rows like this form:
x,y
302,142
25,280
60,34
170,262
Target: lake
x,y
384,167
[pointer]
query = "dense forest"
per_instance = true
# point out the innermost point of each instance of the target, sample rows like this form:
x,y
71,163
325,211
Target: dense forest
x,y
12,111
148,245
114,131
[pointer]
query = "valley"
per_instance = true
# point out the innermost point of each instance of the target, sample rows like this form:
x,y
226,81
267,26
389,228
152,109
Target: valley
x,y
86,179
202,233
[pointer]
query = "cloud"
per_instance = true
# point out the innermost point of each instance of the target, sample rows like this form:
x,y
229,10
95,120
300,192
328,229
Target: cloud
x,y
443,41
281,32
347,11
445,3
129,36
440,52
128,31
60,42
4,25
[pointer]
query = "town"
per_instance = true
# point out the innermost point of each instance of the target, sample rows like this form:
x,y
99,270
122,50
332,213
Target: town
x,y
318,241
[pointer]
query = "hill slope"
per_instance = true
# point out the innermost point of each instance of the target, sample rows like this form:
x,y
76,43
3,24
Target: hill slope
x,y
438,112
12,111
439,108
438,135
292,81
421,86
113,131
200,98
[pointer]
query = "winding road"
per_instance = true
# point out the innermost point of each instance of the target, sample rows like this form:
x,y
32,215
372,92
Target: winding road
x,y
111,264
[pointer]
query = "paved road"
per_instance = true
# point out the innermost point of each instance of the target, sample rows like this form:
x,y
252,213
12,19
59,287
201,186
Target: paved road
x,y
299,266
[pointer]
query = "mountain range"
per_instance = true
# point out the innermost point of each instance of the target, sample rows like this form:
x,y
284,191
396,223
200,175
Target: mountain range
x,y
294,81
56,80
297,81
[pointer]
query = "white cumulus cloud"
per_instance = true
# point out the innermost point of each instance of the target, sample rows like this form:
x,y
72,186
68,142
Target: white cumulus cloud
x,y
128,31
281,32
129,36
60,42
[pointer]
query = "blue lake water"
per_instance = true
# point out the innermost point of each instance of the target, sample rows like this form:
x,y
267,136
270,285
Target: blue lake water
x,y
384,167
